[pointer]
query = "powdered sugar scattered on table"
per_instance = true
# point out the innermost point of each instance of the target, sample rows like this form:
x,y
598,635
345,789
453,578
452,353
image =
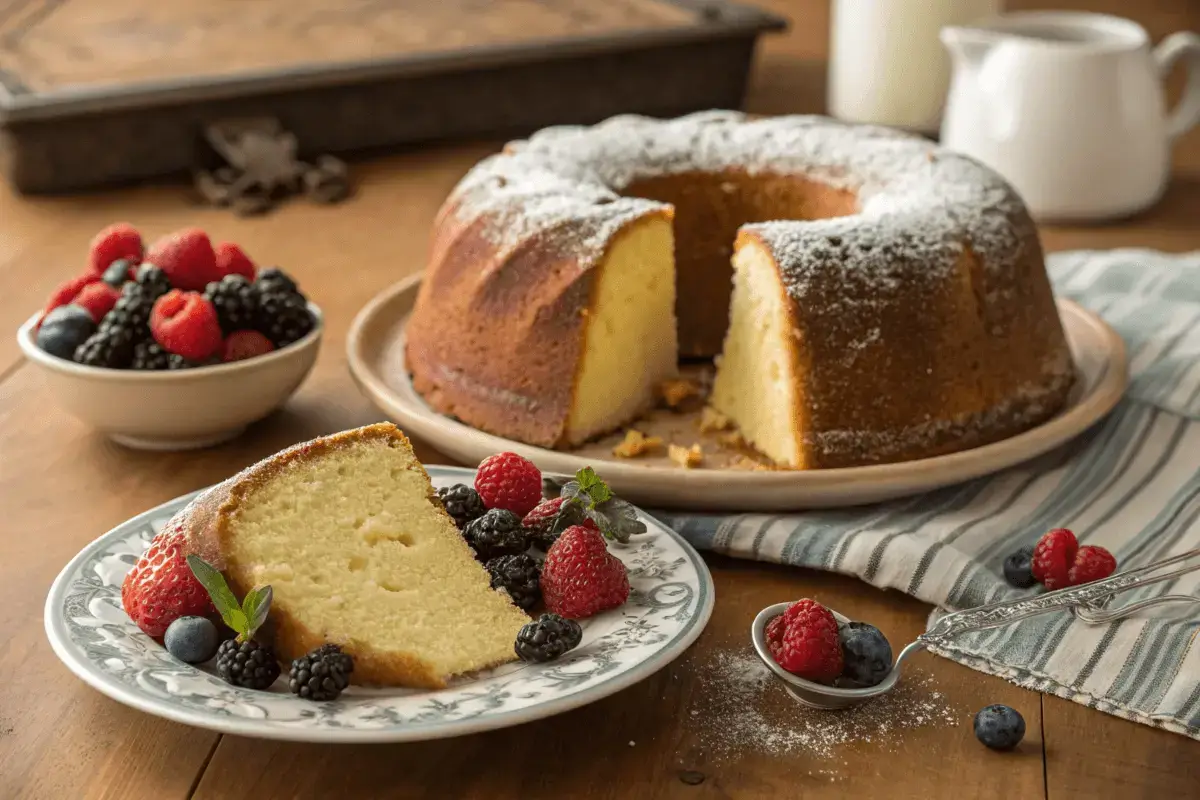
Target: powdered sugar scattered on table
x,y
741,708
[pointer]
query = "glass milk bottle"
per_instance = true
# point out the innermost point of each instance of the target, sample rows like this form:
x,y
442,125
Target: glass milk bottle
x,y
886,63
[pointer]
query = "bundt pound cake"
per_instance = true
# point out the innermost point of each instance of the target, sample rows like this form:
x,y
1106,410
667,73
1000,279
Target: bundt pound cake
x,y
358,550
887,299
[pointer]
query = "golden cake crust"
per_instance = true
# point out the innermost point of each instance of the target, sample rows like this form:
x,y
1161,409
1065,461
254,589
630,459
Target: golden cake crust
x,y
923,316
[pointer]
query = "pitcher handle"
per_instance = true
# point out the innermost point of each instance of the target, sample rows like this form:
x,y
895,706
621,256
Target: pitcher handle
x,y
1184,45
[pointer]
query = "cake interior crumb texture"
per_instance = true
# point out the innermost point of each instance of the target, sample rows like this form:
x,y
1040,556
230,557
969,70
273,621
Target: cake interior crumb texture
x,y
629,342
359,552
756,382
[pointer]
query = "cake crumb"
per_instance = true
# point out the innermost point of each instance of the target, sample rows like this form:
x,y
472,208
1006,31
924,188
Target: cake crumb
x,y
745,462
674,392
636,444
712,420
686,457
731,439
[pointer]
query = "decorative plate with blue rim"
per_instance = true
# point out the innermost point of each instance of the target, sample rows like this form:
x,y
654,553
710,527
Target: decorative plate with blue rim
x,y
670,603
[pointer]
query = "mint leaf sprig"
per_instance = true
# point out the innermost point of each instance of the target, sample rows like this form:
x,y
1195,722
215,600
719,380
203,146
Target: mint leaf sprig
x,y
243,618
615,518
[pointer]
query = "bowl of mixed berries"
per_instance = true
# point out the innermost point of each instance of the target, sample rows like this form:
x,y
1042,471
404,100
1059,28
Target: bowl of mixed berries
x,y
174,345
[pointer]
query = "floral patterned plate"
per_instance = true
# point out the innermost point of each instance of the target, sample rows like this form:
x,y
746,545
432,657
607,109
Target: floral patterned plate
x,y
671,602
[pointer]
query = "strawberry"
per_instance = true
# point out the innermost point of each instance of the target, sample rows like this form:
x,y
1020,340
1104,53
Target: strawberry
x,y
580,577
161,588
809,646
185,323
67,292
188,259
1053,556
1091,564
232,260
241,345
118,241
97,299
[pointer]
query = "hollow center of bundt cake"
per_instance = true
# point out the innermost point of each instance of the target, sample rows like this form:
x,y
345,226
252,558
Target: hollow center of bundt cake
x,y
754,384
709,209
357,554
631,324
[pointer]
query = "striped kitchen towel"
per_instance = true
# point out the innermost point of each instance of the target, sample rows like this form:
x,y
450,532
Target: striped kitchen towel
x,y
1131,484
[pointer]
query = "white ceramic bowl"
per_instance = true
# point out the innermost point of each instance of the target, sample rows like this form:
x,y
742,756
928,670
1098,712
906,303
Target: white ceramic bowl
x,y
180,409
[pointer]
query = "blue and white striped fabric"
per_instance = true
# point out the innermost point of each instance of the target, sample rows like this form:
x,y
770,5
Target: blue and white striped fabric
x,y
1131,484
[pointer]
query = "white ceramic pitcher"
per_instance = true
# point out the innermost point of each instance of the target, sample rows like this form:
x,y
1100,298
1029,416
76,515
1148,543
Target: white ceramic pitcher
x,y
1069,107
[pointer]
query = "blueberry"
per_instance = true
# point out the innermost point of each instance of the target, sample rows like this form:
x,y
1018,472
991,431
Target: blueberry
x,y
866,654
117,273
1018,568
64,329
999,727
192,639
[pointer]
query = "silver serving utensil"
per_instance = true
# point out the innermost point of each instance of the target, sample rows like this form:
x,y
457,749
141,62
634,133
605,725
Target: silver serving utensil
x,y
1088,602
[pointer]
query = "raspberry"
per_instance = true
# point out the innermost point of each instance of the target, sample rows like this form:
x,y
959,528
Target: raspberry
x,y
581,578
508,481
232,260
550,518
186,324
119,241
810,647
187,258
97,299
241,345
775,629
161,587
1091,564
1053,556
68,291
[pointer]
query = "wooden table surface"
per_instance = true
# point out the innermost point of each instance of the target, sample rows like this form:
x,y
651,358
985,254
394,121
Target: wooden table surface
x,y
61,485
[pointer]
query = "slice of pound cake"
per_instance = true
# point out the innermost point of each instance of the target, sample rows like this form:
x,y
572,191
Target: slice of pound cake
x,y
359,551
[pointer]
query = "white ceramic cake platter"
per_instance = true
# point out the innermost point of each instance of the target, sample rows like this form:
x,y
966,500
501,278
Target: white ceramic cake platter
x,y
375,348
671,602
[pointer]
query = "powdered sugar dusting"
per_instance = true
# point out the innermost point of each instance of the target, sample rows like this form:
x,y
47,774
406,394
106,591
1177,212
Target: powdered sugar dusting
x,y
917,202
742,709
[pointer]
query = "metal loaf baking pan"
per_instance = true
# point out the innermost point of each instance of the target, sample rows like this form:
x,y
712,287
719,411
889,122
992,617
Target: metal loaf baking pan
x,y
66,124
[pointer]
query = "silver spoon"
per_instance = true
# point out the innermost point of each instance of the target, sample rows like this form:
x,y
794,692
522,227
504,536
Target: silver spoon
x,y
1087,602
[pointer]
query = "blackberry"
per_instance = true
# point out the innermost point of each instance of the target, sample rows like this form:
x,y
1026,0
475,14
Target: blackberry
x,y
249,664
111,348
117,273
547,638
321,674
236,302
1018,568
283,317
462,503
275,280
518,575
152,280
149,355
496,533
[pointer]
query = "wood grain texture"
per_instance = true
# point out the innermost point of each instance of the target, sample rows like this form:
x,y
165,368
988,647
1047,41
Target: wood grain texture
x,y
587,753
62,485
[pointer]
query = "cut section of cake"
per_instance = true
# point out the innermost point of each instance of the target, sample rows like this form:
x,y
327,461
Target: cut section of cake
x,y
359,551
